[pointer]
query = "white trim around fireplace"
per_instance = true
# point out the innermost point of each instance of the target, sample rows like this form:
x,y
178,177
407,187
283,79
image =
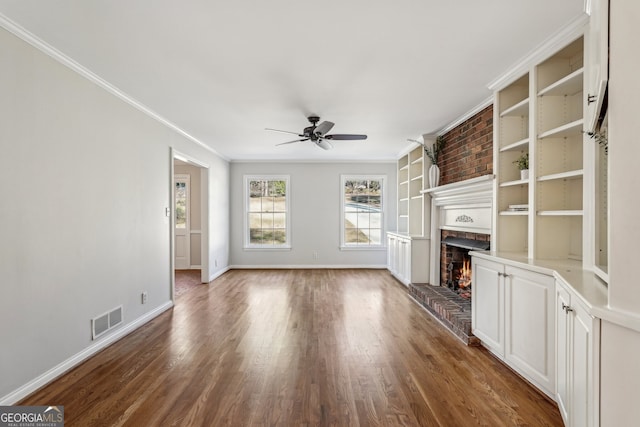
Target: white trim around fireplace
x,y
460,206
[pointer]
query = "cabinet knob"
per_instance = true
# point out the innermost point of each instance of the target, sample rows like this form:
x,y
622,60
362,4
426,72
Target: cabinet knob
x,y
566,308
591,99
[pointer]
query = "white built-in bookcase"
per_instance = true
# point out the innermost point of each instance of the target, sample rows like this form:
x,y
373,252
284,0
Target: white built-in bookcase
x,y
411,202
542,113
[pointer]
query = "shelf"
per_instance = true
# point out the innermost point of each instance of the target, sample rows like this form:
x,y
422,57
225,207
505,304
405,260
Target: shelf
x,y
416,178
417,197
403,167
517,182
418,160
569,129
403,216
404,199
516,145
577,174
404,183
568,85
520,109
514,213
561,213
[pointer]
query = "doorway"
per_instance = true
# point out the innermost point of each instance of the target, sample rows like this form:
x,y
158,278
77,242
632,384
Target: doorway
x,y
189,223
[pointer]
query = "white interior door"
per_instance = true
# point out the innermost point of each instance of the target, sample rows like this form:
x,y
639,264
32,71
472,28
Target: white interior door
x,y
183,229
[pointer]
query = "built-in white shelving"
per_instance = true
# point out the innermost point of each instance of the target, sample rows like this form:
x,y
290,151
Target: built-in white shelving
x,y
519,109
576,174
568,129
518,145
542,114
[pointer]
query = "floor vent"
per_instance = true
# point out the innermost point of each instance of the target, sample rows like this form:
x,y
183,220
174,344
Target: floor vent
x,y
103,323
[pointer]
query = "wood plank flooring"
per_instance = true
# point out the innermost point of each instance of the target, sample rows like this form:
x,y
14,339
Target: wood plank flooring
x,y
295,348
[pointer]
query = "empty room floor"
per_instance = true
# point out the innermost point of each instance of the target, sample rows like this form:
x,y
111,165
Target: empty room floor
x,y
294,348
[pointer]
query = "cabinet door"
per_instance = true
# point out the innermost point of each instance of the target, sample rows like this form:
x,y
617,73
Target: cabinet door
x,y
403,253
392,255
584,395
563,300
488,304
530,326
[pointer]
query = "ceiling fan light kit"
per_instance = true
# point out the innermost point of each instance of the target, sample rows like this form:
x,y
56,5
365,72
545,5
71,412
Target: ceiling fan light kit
x,y
317,133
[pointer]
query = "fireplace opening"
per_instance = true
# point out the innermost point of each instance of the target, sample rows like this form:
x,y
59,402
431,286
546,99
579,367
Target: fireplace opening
x,y
456,262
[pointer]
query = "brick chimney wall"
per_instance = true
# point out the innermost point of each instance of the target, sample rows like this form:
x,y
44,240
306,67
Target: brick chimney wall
x,y
468,152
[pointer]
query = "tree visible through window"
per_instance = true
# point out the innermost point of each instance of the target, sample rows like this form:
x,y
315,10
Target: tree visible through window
x,y
362,199
267,211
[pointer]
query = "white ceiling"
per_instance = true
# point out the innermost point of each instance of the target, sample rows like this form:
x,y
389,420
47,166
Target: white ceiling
x,y
222,71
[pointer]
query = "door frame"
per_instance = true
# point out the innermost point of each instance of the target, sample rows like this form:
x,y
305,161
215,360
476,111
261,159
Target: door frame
x,y
204,215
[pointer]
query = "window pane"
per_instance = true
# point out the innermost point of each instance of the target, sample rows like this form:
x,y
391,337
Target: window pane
x,y
255,204
255,236
267,220
255,220
181,205
350,235
279,237
279,220
267,204
375,236
279,204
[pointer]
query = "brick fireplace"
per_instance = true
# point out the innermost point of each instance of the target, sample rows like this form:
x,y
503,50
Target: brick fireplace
x,y
455,262
459,211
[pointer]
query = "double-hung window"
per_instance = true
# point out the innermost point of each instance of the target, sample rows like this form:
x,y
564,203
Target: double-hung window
x,y
362,216
267,215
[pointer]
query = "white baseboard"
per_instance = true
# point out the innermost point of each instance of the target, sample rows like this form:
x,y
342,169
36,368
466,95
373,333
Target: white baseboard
x,y
218,273
306,267
75,360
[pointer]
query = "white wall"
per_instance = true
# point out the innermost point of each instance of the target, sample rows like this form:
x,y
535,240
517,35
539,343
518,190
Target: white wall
x,y
315,214
86,180
620,370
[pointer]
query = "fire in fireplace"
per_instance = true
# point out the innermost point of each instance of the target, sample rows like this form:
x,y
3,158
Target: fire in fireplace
x,y
457,262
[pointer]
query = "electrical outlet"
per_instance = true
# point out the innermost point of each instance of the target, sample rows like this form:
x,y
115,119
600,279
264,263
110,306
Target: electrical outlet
x,y
144,297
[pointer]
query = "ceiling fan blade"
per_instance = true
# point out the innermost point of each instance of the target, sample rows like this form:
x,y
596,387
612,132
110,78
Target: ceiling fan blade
x,y
325,145
323,128
291,142
345,137
283,131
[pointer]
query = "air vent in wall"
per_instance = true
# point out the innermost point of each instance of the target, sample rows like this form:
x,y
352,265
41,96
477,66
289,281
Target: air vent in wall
x,y
105,322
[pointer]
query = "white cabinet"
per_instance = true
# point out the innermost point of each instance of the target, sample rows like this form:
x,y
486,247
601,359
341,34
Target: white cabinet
x,y
487,304
530,326
513,315
578,338
408,258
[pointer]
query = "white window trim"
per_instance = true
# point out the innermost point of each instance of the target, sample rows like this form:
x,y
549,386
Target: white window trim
x,y
382,246
254,247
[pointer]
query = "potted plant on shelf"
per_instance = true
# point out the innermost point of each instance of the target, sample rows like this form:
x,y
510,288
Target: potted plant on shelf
x,y
522,163
433,154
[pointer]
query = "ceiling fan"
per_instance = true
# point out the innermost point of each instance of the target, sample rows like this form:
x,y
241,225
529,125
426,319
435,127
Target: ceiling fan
x,y
318,134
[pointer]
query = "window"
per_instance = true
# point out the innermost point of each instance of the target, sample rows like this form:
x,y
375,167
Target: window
x,y
362,218
267,212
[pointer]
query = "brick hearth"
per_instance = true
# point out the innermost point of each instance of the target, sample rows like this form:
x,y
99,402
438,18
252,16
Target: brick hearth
x,y
448,307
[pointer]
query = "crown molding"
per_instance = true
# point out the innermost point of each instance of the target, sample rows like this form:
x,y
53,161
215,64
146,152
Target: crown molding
x,y
548,47
54,53
317,161
466,116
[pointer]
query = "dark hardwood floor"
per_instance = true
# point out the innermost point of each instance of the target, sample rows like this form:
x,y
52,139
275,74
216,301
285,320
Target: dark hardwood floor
x,y
296,348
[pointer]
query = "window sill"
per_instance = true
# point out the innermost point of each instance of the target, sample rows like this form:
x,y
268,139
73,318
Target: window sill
x,y
363,248
268,249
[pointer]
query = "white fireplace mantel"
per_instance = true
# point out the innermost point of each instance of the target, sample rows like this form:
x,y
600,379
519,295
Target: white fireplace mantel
x,y
460,206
